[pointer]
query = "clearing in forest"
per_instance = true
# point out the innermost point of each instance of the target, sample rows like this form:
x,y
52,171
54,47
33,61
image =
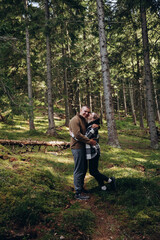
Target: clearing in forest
x,y
37,197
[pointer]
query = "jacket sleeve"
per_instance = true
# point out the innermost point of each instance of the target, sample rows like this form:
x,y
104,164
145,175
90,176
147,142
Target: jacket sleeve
x,y
75,129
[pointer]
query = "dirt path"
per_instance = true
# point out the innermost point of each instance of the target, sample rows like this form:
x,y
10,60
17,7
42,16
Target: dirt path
x,y
107,227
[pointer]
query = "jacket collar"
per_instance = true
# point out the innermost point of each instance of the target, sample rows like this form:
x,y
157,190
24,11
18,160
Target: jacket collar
x,y
81,117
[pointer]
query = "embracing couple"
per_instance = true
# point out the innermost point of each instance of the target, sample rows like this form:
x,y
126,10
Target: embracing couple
x,y
85,149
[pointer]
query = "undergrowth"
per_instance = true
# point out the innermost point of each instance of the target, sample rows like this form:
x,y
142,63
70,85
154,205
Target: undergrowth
x,y
36,187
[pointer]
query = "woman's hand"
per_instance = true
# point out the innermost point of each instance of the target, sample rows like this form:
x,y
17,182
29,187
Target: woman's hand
x,y
95,125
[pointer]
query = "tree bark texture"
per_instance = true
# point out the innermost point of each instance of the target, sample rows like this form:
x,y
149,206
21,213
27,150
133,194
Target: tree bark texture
x,y
65,89
29,77
137,77
101,106
141,105
51,129
131,93
124,97
88,103
112,132
118,106
77,97
156,102
148,81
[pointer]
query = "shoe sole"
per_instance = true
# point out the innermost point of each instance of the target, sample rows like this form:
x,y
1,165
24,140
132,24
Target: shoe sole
x,y
82,198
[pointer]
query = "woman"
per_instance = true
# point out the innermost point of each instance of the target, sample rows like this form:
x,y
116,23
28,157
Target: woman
x,y
93,153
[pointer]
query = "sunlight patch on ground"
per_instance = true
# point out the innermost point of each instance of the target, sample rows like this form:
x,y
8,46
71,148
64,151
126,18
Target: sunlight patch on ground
x,y
53,157
140,159
39,117
60,153
156,162
59,123
128,172
67,154
18,128
54,172
22,127
5,165
62,160
43,156
70,180
103,132
50,169
115,150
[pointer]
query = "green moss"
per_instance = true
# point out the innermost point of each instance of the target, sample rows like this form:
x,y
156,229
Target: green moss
x,y
36,187
78,222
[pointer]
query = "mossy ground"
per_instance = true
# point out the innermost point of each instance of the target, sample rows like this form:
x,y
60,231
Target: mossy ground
x,y
36,187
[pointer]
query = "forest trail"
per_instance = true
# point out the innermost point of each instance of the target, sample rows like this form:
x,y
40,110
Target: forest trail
x,y
107,227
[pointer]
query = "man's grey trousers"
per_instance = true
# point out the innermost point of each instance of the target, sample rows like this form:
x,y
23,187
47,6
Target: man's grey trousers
x,y
80,168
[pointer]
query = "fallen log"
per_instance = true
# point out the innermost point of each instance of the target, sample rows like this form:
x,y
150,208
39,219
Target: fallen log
x,y
34,143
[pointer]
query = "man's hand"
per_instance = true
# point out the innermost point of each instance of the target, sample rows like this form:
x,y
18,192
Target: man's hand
x,y
92,142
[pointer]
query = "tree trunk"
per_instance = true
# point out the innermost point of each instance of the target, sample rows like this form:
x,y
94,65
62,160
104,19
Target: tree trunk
x,y
31,115
132,92
88,95
65,89
66,98
72,107
51,129
148,81
132,102
137,77
101,107
112,132
156,102
72,110
124,97
140,105
140,98
77,97
118,107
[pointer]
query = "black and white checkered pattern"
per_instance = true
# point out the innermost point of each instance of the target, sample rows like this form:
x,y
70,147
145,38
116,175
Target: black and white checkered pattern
x,y
92,151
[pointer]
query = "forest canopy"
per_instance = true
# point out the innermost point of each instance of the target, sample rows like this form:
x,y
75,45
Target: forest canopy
x,y
51,54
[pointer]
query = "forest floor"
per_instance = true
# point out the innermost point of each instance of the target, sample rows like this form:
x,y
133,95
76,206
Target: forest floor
x,y
37,196
106,226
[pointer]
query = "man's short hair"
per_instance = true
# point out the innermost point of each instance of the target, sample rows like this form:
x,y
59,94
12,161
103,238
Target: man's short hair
x,y
85,106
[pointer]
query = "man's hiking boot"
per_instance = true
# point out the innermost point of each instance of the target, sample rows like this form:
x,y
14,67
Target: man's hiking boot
x,y
79,196
84,190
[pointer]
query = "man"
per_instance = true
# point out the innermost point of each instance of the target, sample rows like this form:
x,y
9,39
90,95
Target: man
x,y
77,126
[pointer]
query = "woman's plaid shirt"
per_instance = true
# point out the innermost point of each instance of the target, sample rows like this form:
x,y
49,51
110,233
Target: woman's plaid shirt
x,y
92,151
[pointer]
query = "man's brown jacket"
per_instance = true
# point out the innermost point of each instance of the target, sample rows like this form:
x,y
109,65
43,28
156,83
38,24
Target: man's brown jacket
x,y
77,126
